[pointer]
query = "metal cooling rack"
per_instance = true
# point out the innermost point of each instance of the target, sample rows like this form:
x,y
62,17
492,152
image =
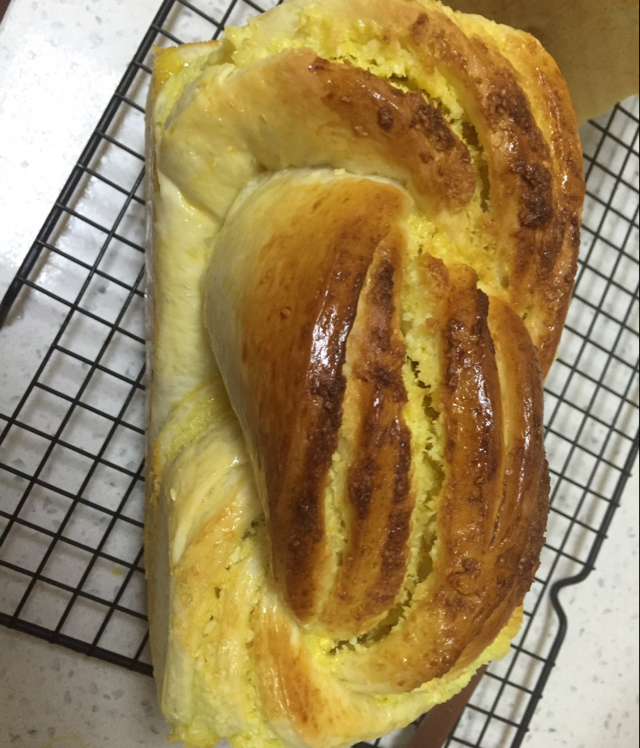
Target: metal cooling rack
x,y
72,440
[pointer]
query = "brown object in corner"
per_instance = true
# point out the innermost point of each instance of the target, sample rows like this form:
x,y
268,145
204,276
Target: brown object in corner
x,y
595,44
4,4
437,725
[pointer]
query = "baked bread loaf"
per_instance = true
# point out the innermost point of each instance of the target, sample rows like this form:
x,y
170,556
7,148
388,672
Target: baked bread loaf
x,y
364,232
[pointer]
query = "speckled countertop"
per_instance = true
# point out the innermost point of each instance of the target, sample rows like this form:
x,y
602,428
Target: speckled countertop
x,y
59,63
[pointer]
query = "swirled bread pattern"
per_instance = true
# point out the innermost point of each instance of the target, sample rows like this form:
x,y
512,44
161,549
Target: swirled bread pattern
x,y
365,224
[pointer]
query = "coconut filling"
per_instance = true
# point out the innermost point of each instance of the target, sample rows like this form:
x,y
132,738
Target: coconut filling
x,y
421,375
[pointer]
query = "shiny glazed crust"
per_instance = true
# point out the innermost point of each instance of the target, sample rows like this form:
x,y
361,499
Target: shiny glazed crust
x,y
365,221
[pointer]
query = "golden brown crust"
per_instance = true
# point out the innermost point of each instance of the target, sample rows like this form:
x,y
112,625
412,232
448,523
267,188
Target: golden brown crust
x,y
530,141
537,185
491,518
378,486
299,310
403,127
333,113
310,323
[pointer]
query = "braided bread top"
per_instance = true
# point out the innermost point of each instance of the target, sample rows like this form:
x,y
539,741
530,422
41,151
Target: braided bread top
x,y
366,220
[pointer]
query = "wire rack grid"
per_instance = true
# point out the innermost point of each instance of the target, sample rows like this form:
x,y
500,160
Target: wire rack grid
x,y
72,439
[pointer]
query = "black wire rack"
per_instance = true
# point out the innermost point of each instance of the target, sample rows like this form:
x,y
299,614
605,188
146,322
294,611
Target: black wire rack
x,y
72,433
